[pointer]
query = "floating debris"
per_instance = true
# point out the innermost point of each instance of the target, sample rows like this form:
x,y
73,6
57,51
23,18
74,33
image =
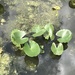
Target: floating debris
x,y
2,21
1,50
56,8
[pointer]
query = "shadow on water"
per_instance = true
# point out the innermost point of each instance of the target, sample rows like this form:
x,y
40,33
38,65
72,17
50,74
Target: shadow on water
x,y
8,48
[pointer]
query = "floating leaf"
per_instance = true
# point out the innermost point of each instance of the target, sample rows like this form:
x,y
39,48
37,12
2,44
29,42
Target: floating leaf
x,y
57,50
64,35
49,31
17,37
38,31
31,49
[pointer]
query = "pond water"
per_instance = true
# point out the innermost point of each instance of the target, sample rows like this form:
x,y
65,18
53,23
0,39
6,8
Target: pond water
x,y
67,63
23,14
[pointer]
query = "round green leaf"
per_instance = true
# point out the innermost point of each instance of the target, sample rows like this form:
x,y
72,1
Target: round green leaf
x,y
65,35
38,31
31,49
49,31
17,37
57,50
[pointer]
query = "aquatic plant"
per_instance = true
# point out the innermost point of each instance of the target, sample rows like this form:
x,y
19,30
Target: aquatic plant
x,y
57,50
49,30
64,35
38,31
31,48
17,37
46,31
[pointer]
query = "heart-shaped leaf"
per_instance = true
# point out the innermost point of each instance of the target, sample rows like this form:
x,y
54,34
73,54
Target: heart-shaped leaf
x,y
38,31
64,35
49,32
31,49
57,50
17,37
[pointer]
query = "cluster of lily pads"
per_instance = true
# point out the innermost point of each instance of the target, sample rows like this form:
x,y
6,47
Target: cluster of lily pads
x,y
31,48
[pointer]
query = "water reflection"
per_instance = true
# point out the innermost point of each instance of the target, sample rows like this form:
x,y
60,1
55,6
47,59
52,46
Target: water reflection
x,y
67,62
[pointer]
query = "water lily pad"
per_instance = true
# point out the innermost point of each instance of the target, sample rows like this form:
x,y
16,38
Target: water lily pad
x,y
49,31
38,31
57,50
17,37
64,35
31,49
